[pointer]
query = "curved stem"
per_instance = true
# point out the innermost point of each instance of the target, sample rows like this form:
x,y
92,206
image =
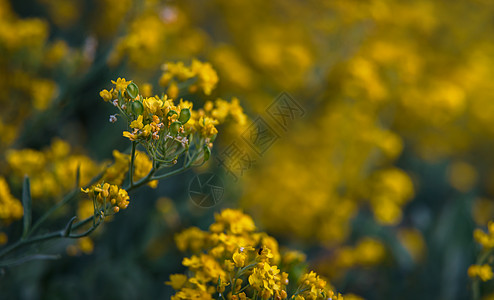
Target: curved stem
x,y
50,236
71,195
43,218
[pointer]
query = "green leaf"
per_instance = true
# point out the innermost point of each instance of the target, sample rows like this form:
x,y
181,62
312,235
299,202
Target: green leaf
x,y
171,113
26,203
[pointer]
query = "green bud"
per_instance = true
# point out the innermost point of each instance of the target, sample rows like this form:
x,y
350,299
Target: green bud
x,y
207,153
184,115
171,113
132,90
175,127
137,107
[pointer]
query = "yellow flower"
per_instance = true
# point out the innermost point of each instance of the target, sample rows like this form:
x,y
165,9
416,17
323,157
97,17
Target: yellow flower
x,y
239,259
484,272
109,194
137,123
177,281
106,95
130,136
153,105
234,221
207,76
121,84
485,239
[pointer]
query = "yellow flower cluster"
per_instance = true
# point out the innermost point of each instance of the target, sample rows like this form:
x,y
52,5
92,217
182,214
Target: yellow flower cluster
x,y
10,207
165,128
203,75
484,272
53,170
233,259
104,194
483,238
313,287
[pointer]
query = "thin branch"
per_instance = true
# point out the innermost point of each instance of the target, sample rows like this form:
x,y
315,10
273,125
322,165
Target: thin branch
x,y
131,167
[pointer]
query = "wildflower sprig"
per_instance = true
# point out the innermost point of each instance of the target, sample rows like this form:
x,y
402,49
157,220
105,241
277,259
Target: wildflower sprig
x,y
164,128
169,130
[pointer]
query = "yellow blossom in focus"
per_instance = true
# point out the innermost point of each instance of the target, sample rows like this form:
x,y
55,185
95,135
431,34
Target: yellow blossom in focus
x,y
231,245
121,84
106,194
106,95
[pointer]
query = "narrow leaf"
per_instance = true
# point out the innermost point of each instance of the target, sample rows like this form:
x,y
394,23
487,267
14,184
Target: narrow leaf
x,y
26,203
25,259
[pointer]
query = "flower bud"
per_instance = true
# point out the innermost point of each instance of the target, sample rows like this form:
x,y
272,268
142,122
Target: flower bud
x,y
132,90
171,113
137,107
184,115
175,127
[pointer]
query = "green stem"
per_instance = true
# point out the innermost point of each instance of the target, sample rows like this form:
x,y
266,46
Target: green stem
x,y
169,174
50,236
131,167
141,182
